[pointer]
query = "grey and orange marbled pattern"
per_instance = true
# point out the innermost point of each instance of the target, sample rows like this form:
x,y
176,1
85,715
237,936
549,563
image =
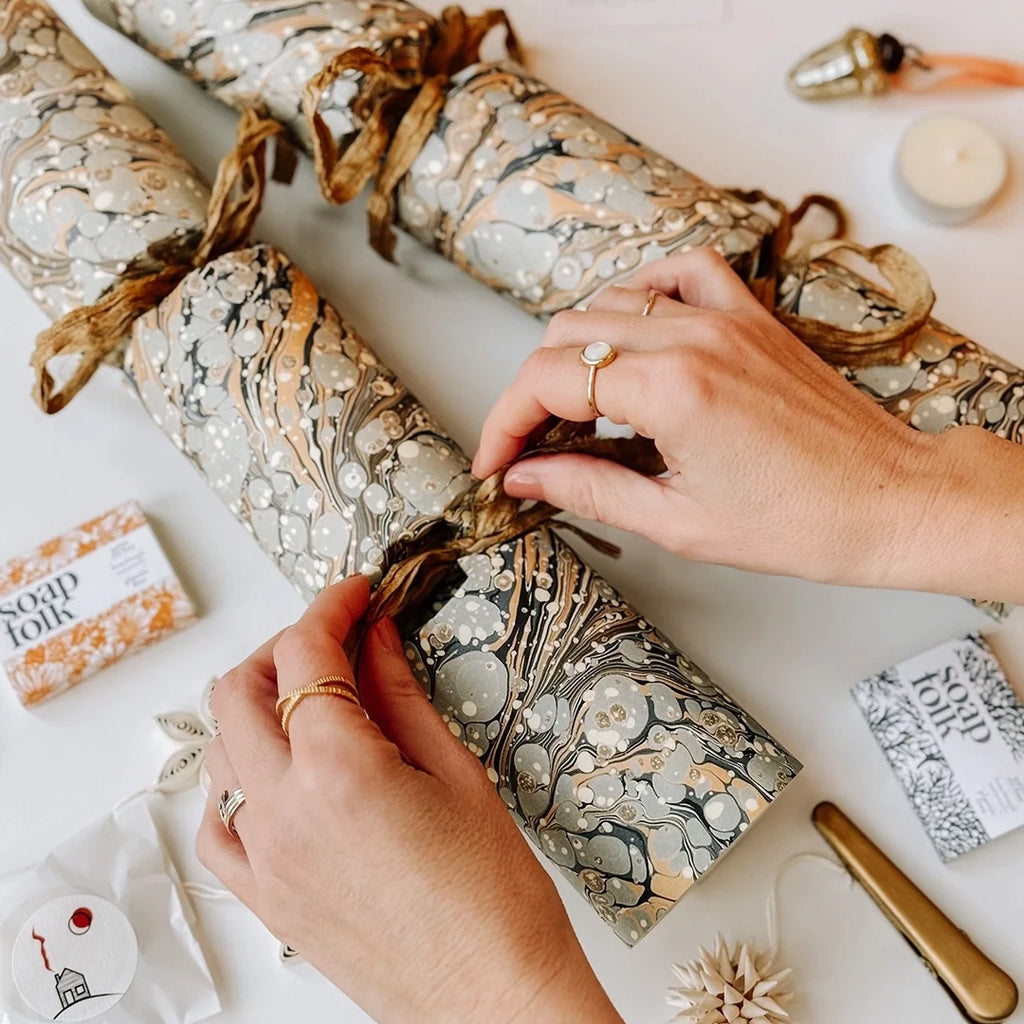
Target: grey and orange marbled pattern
x,y
545,202
87,181
945,381
259,54
629,768
311,442
620,759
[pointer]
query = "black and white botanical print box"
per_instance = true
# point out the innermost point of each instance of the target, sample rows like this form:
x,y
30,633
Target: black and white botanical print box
x,y
953,730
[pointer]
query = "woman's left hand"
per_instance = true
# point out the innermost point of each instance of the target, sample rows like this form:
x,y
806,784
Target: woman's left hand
x,y
374,843
775,463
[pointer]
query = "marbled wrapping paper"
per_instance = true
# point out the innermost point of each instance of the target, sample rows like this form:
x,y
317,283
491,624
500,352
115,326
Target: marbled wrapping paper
x,y
87,181
620,759
628,767
546,203
537,197
946,379
312,443
261,53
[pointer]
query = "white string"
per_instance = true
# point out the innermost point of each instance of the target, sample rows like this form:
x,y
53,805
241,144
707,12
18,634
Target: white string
x,y
207,892
772,903
197,889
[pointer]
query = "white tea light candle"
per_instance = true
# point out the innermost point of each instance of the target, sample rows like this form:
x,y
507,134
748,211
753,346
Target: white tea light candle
x,y
949,168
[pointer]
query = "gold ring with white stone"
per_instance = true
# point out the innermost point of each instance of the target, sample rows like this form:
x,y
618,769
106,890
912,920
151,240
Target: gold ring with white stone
x,y
596,356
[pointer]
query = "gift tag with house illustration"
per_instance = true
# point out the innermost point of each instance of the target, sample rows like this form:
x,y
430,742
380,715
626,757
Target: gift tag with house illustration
x,y
74,958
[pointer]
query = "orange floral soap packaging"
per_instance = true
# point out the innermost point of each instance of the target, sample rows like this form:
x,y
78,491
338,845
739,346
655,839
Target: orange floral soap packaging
x,y
85,599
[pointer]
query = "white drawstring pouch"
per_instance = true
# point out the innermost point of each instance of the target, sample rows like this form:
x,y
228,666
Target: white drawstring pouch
x,y
101,930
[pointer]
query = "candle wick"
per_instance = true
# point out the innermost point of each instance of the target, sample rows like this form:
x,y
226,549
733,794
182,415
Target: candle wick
x,y
956,155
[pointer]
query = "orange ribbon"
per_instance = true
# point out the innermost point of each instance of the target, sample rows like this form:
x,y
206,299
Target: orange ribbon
x,y
962,72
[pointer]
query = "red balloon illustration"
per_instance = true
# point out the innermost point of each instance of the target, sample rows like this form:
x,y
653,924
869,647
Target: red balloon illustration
x,y
80,921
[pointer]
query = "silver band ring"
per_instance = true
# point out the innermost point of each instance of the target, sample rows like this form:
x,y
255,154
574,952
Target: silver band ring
x,y
228,806
652,298
596,356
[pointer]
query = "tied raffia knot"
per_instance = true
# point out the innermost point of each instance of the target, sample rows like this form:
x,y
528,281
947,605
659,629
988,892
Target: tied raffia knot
x,y
485,516
911,289
94,332
400,99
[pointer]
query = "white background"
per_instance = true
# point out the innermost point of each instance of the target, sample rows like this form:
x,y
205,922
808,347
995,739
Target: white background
x,y
711,95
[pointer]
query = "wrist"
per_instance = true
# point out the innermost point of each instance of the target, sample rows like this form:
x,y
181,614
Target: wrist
x,y
955,525
565,995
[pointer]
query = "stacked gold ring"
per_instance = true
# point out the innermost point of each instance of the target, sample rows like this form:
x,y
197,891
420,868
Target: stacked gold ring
x,y
324,686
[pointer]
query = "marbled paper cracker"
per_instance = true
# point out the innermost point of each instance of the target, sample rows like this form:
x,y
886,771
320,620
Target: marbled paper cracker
x,y
537,197
630,769
87,181
527,190
309,440
321,452
945,380
626,765
261,53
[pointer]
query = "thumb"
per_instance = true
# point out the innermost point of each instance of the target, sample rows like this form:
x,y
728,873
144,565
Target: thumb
x,y
599,489
395,701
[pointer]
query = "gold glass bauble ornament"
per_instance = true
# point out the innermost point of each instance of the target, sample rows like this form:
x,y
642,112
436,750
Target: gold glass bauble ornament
x,y
858,63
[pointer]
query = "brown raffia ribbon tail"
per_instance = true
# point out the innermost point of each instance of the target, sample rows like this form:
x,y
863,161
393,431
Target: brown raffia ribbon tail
x,y
462,35
886,345
911,289
93,332
398,105
486,516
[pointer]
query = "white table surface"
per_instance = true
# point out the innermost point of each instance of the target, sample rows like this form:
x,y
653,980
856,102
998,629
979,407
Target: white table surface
x,y
712,97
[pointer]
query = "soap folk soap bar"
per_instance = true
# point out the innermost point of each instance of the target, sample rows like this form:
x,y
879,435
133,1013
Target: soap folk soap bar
x,y
953,730
85,599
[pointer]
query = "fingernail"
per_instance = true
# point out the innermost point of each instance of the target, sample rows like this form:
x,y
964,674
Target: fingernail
x,y
521,476
387,632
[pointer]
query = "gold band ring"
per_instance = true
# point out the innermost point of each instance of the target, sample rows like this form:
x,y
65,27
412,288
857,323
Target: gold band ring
x,y
652,297
595,356
325,686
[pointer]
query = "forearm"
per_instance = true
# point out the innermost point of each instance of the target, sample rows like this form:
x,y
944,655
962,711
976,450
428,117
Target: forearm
x,y
570,994
959,526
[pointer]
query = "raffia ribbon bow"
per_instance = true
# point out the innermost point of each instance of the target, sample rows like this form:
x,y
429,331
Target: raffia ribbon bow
x,y
94,332
912,292
399,102
485,516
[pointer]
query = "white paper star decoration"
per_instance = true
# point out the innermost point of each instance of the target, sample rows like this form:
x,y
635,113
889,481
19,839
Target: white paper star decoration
x,y
185,767
723,988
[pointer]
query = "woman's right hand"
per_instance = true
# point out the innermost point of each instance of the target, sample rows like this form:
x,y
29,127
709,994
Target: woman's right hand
x,y
373,842
776,463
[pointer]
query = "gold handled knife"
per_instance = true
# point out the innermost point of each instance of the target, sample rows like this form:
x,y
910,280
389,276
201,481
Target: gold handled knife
x,y
984,993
